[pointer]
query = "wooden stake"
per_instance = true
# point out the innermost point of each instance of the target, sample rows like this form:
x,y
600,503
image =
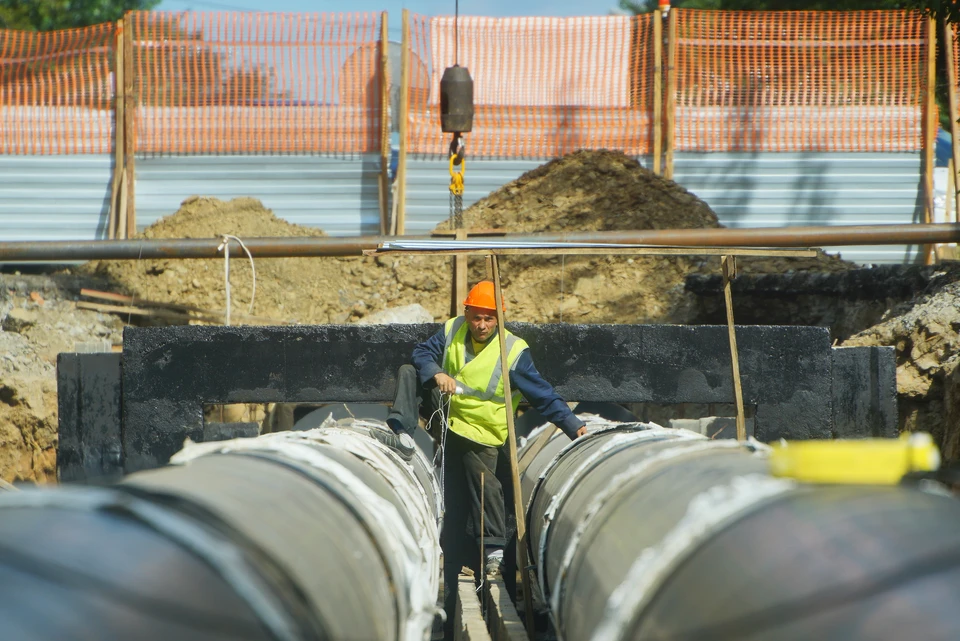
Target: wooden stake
x,y
512,450
671,92
948,38
129,137
657,90
401,221
118,143
384,126
459,278
483,556
929,129
734,356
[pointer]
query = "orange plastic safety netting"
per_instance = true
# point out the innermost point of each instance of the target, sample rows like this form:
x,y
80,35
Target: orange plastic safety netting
x,y
57,91
799,81
955,46
542,86
210,82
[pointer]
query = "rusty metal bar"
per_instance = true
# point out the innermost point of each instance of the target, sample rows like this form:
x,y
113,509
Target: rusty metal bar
x,y
267,247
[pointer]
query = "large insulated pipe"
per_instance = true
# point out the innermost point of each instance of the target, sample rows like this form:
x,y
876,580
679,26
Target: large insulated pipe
x,y
837,235
644,532
324,534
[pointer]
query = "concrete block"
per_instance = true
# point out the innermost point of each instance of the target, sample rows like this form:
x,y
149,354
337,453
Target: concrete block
x,y
864,392
89,408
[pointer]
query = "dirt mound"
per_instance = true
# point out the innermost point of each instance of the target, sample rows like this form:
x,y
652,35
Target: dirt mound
x,y
926,335
584,191
38,320
605,191
286,289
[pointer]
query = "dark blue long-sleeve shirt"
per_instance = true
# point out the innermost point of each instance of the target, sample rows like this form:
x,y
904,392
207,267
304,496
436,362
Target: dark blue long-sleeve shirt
x,y
428,359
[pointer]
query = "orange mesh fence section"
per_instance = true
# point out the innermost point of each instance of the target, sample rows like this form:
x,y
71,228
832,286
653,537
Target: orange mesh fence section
x,y
799,81
542,86
57,91
954,44
210,82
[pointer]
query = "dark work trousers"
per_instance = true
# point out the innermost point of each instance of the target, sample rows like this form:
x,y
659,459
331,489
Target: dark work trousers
x,y
464,463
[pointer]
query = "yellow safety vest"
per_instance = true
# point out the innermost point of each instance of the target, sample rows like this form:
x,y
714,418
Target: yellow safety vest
x,y
479,413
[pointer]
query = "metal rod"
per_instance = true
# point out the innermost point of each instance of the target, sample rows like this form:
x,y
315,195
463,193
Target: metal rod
x,y
279,247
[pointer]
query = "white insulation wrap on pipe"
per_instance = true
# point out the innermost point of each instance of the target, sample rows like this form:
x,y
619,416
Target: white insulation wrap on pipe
x,y
643,532
323,534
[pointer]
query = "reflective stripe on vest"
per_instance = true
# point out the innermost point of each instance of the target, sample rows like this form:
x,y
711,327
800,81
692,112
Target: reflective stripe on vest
x,y
479,413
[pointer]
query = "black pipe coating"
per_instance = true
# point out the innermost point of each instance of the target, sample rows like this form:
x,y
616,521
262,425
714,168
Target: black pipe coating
x,y
643,532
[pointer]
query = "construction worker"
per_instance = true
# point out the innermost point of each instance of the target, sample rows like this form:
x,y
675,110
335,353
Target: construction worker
x,y
457,373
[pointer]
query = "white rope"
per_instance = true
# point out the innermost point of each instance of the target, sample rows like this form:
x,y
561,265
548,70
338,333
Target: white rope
x,y
224,246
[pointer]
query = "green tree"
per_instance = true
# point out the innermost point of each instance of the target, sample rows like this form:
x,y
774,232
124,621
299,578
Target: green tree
x,y
51,15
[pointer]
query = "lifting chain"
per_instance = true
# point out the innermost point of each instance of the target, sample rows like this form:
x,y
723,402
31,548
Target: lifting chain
x,y
457,153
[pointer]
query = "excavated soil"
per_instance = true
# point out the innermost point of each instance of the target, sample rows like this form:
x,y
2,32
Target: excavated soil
x,y
926,335
584,191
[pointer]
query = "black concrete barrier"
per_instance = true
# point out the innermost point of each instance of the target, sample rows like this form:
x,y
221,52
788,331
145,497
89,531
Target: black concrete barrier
x,y
787,374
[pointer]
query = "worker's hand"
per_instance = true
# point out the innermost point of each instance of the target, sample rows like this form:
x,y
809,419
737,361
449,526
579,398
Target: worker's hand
x,y
582,431
445,383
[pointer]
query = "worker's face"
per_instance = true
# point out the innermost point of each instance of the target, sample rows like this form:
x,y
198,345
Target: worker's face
x,y
481,322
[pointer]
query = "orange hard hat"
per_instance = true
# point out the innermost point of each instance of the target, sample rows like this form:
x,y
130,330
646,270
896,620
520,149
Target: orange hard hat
x,y
482,296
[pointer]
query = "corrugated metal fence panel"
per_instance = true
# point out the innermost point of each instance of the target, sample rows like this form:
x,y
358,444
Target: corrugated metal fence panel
x,y
338,195
796,189
745,190
428,186
65,197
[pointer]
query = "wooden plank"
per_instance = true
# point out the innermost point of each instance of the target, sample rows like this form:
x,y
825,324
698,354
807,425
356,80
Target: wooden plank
x,y
503,621
118,130
470,232
671,114
639,251
725,263
128,195
512,449
405,44
468,623
657,90
537,446
135,311
384,125
131,300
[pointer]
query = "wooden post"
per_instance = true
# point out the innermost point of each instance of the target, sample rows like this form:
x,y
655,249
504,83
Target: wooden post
x,y
671,91
657,90
405,45
512,450
384,125
118,145
949,212
129,136
954,102
734,355
929,129
459,278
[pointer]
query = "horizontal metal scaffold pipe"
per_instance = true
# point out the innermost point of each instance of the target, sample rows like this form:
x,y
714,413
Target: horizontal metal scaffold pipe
x,y
280,247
